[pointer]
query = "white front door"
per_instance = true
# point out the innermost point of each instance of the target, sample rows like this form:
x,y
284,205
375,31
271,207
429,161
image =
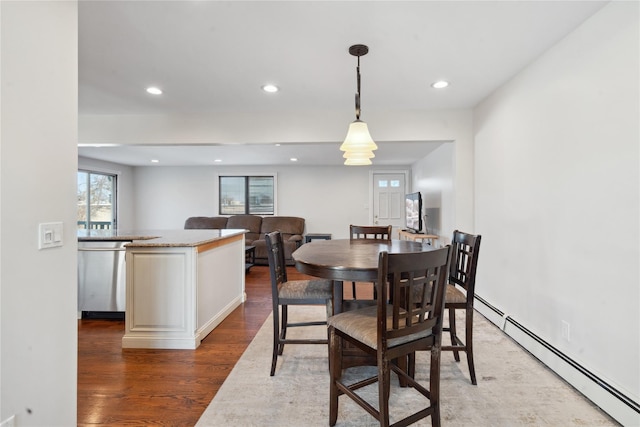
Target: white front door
x,y
388,199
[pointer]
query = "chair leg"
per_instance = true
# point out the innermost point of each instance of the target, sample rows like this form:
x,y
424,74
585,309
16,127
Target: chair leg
x,y
283,329
404,363
411,369
469,344
335,368
329,308
276,339
434,386
384,386
453,333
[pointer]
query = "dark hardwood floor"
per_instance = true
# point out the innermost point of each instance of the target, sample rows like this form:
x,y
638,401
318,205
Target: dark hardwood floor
x,y
129,387
119,387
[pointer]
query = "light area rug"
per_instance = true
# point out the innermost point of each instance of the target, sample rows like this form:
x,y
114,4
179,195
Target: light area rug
x,y
514,388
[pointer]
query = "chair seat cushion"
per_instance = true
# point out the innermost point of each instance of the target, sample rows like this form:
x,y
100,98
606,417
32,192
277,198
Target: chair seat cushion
x,y
306,289
455,295
362,325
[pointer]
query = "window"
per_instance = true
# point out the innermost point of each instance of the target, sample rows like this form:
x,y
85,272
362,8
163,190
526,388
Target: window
x,y
96,200
247,195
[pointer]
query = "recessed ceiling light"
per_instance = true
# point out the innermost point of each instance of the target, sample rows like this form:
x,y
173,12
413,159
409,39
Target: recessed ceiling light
x,y
293,159
270,88
217,160
155,161
154,90
440,84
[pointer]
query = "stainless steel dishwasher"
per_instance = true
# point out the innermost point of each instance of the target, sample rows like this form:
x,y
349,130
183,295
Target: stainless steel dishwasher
x,y
101,278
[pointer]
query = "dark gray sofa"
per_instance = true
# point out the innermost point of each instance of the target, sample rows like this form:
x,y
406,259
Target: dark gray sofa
x,y
291,227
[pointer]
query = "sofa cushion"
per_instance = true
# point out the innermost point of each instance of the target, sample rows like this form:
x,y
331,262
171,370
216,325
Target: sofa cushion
x,y
261,257
246,222
287,225
213,222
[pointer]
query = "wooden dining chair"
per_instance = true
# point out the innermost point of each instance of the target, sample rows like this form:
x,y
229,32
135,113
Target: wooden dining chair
x,y
292,292
368,232
393,332
460,294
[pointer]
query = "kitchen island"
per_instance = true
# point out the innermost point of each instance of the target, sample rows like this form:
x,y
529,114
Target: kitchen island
x,y
180,284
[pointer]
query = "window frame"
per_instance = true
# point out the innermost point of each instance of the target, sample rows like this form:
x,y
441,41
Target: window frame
x,y
273,176
115,194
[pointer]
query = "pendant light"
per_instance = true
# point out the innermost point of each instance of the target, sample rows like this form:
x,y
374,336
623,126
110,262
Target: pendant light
x,y
358,145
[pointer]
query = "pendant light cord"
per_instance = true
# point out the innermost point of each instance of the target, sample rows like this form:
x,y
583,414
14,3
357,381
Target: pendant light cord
x,y
358,92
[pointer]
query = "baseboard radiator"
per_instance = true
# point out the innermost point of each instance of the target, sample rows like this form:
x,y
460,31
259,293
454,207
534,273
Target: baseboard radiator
x,y
617,404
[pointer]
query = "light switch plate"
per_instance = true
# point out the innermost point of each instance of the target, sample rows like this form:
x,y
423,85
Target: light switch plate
x,y
50,235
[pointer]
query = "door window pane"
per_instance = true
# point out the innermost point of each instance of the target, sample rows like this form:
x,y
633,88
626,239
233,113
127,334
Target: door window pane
x,y
83,199
96,200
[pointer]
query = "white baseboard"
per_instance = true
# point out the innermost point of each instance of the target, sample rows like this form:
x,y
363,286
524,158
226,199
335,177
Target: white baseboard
x,y
210,325
608,398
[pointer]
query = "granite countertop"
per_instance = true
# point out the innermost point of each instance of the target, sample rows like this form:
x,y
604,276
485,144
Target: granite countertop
x,y
158,238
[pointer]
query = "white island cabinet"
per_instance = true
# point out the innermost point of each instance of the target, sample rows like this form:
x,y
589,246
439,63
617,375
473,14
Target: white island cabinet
x,y
181,285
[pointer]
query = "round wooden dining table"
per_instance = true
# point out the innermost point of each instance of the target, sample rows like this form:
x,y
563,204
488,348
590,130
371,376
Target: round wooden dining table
x,y
352,261
348,260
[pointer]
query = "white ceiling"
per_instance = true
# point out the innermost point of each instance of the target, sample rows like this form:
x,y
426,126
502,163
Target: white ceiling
x,y
213,56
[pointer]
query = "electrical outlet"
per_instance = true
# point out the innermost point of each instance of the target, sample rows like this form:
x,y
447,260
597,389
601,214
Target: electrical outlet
x,y
566,331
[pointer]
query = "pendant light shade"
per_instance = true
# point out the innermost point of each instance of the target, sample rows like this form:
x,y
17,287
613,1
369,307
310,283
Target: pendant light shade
x,y
357,162
358,155
358,138
358,145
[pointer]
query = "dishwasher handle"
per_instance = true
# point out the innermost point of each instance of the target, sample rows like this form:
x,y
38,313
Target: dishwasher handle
x,y
102,249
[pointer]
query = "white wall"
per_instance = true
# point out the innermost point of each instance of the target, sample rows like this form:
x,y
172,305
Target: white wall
x,y
433,178
328,198
556,175
126,190
309,126
38,160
